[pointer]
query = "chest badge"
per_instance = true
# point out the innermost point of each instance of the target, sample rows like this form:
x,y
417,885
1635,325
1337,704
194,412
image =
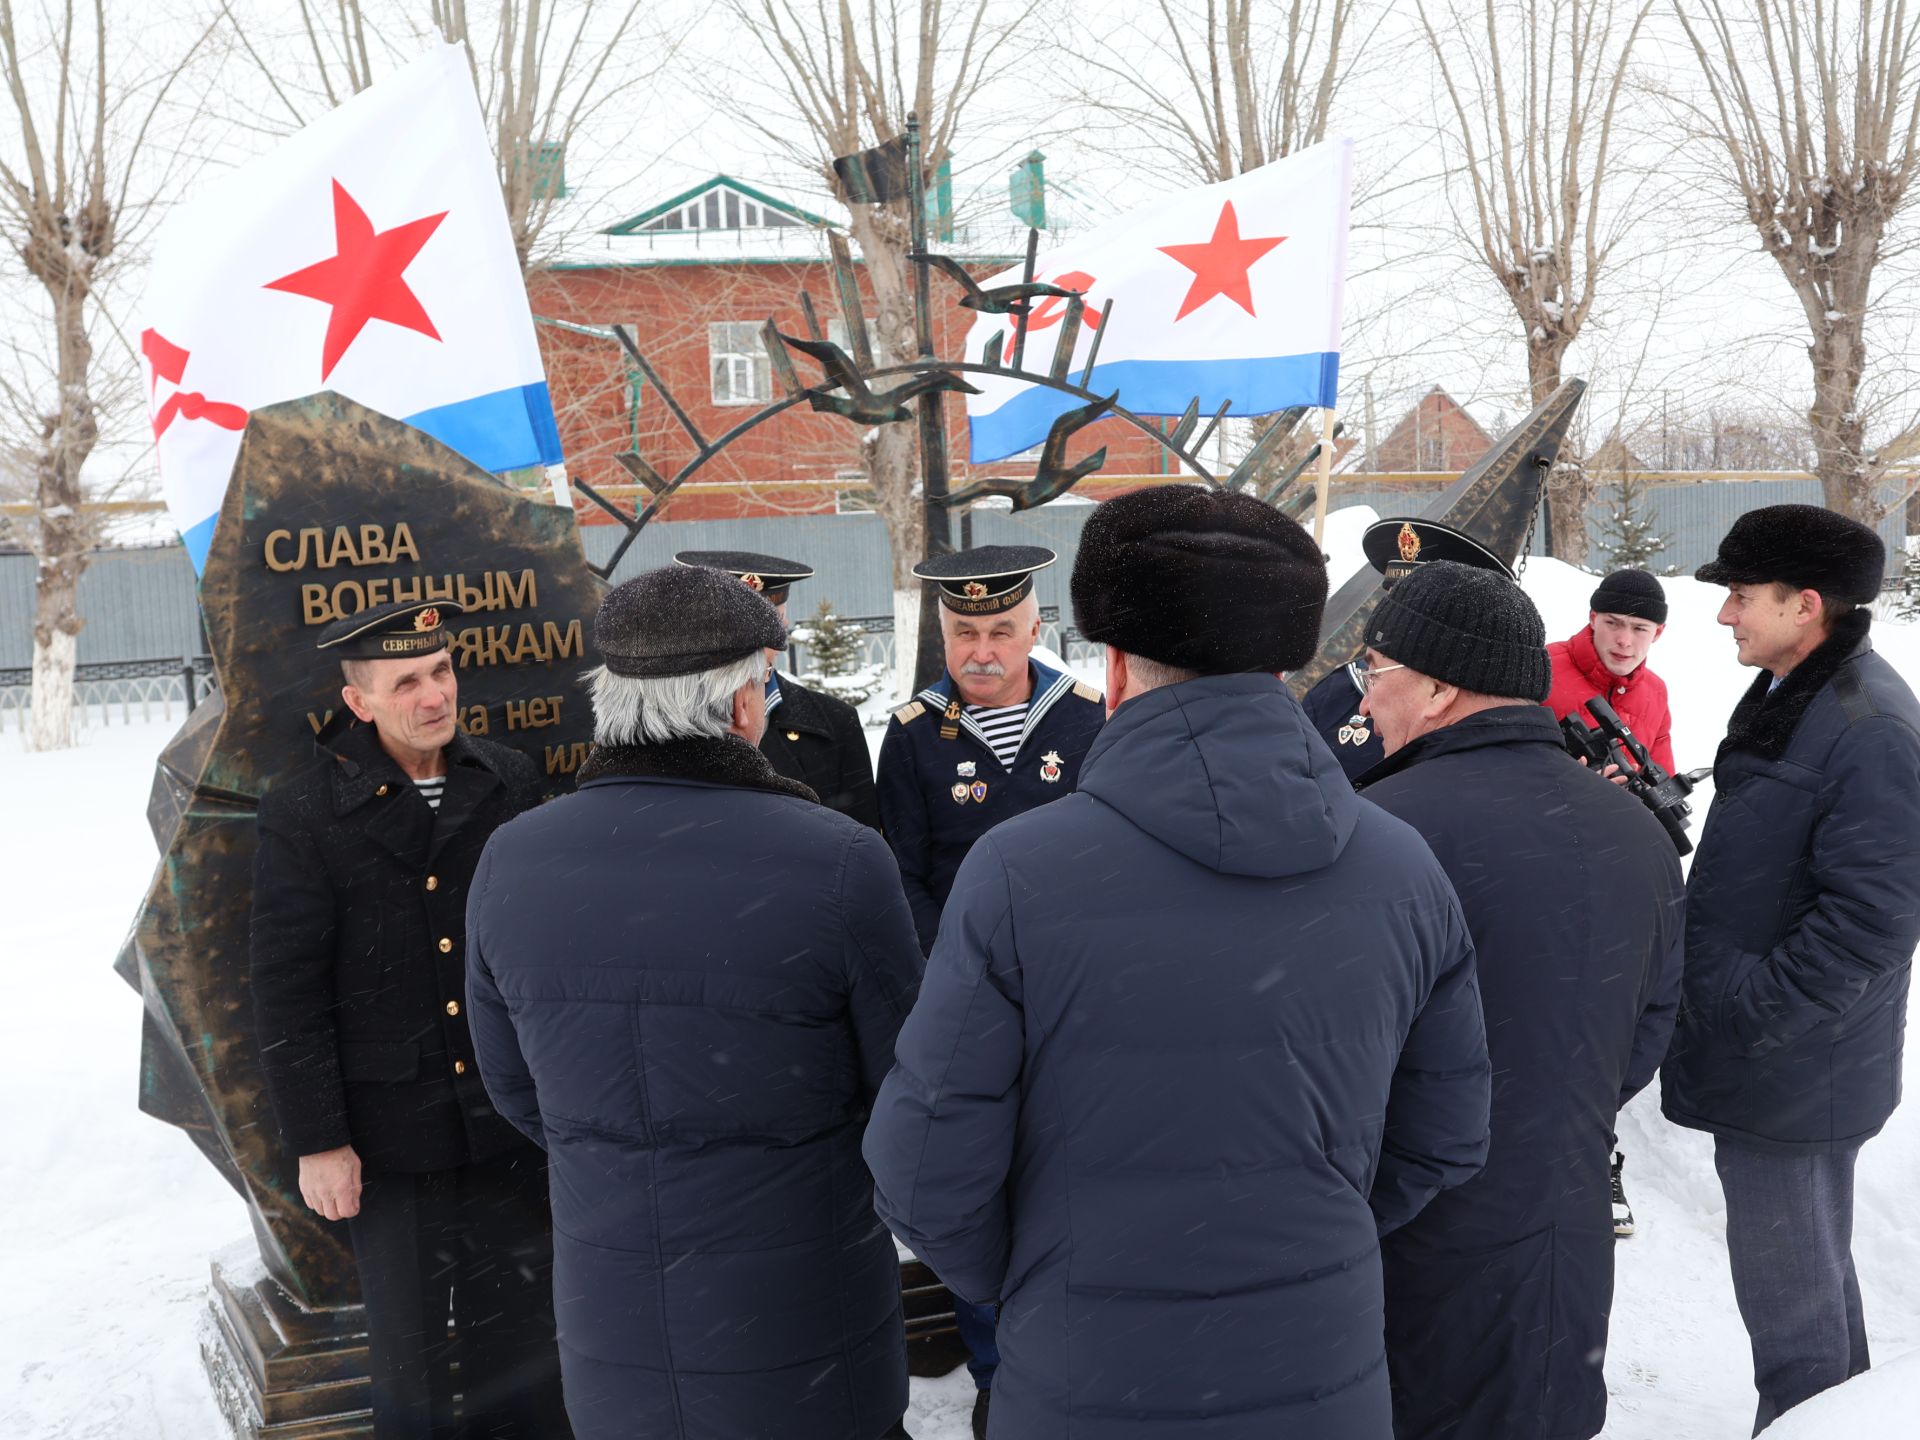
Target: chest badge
x,y
1050,767
965,769
978,790
1356,731
959,792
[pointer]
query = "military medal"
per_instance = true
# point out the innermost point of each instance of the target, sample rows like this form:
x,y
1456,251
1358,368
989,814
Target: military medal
x,y
1356,731
964,769
1050,767
979,790
959,792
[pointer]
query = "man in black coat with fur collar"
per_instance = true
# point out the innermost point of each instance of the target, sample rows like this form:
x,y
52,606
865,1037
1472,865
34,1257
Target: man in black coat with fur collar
x,y
358,941
1803,909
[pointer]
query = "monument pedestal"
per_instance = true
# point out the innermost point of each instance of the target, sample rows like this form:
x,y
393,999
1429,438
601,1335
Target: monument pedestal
x,y
279,1370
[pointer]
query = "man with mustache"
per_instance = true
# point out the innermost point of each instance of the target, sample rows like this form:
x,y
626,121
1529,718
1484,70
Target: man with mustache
x,y
998,735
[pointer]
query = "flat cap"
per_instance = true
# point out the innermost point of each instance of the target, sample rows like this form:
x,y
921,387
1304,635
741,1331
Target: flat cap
x,y
1200,579
681,620
399,630
1805,546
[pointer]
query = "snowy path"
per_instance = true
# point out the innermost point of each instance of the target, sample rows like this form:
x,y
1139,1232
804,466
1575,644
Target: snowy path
x,y
110,1217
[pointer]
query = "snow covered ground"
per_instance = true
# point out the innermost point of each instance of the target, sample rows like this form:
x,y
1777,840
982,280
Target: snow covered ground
x,y
110,1217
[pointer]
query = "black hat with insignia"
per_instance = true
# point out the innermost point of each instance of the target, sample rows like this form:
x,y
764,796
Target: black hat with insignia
x,y
986,579
1200,579
1395,546
397,631
766,575
1805,546
681,620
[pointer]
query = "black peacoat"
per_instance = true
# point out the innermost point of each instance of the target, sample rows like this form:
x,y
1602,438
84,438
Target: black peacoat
x,y
359,952
817,739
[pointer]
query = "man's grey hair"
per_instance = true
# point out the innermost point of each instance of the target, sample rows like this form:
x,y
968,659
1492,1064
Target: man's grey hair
x,y
1148,674
629,710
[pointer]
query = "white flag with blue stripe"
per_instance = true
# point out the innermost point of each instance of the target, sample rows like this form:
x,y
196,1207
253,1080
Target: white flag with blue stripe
x,y
370,255
1231,292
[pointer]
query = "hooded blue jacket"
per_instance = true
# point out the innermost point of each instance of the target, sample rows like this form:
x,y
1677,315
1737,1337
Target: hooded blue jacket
x,y
1190,1039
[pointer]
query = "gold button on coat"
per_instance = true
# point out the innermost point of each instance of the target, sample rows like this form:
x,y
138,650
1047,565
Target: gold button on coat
x,y
381,791
793,734
459,1067
433,882
445,945
453,1007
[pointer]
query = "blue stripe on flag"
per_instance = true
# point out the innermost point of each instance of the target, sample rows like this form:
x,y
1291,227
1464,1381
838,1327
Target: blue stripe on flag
x,y
198,539
1164,387
502,431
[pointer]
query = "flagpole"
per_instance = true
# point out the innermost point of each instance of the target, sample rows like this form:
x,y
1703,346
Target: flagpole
x,y
1323,477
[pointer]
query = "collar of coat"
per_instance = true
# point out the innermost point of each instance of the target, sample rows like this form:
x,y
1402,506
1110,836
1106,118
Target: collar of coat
x,y
362,764
1517,724
1050,686
727,760
800,709
1586,659
1764,723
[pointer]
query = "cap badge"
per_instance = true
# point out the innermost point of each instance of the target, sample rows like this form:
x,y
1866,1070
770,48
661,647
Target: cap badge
x,y
978,790
1050,767
1409,543
959,792
964,769
753,582
427,620
974,590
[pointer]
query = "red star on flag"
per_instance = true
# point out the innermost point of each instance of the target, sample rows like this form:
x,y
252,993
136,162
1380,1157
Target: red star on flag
x,y
1220,266
366,278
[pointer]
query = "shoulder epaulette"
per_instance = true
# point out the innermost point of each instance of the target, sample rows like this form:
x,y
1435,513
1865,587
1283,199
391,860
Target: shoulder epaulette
x,y
1086,691
912,710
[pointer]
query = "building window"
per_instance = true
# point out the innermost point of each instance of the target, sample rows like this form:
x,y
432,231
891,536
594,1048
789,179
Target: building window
x,y
739,364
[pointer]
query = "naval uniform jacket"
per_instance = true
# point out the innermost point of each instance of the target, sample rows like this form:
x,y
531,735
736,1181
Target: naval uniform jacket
x,y
941,788
1333,708
816,739
359,952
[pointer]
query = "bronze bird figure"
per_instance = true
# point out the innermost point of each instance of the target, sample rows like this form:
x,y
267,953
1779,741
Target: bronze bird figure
x,y
860,403
1053,477
997,300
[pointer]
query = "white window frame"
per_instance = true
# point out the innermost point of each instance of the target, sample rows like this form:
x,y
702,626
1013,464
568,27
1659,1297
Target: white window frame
x,y
737,367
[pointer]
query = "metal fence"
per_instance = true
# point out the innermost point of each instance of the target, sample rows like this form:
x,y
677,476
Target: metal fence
x,y
124,689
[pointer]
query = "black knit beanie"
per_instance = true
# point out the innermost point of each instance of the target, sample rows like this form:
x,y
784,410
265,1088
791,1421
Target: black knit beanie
x,y
1467,627
1631,592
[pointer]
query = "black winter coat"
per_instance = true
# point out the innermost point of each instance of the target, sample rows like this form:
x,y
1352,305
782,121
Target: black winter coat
x,y
1498,1294
685,980
1803,909
818,740
358,952
1190,1039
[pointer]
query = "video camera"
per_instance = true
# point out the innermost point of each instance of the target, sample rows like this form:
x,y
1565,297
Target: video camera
x,y
1610,742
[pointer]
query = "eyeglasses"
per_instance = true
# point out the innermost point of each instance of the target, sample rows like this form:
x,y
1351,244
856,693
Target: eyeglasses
x,y
1364,675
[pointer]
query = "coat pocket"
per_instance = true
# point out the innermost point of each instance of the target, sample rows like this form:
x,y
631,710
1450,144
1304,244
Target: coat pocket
x,y
379,1062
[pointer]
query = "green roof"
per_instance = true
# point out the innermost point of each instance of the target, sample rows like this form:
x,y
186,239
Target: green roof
x,y
636,222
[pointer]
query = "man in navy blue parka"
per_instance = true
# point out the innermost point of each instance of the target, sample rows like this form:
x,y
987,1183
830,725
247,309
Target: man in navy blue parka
x,y
1192,1037
684,982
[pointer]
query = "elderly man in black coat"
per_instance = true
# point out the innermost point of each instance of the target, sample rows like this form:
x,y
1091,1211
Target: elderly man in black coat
x,y
1803,909
1498,1293
1193,1036
685,981
359,924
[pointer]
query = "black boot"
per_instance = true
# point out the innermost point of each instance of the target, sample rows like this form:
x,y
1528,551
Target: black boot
x,y
980,1403
1622,1212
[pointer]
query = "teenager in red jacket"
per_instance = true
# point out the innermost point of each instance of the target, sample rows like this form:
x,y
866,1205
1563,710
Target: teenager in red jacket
x,y
1608,658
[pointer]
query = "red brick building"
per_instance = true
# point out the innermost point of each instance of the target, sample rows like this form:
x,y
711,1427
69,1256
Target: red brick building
x,y
1435,436
696,276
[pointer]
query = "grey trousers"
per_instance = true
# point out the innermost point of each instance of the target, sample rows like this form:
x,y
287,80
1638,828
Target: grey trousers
x,y
1790,1240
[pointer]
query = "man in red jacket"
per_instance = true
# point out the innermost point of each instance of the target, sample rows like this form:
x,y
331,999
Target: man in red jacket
x,y
1609,659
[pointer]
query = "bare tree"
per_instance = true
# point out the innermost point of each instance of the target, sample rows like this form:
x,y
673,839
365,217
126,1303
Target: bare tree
x,y
1223,86
64,207
545,71
1533,87
853,71
1817,106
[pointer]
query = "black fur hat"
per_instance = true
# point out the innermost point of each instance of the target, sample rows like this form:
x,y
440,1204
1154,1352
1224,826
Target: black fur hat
x,y
1200,579
1804,546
